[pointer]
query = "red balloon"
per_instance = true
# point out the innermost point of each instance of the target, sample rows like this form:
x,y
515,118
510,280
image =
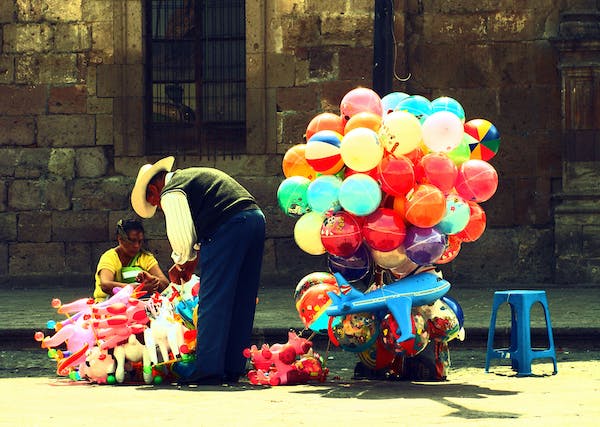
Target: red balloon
x,y
439,170
396,175
425,206
477,180
372,173
384,230
325,121
415,155
340,234
476,225
452,250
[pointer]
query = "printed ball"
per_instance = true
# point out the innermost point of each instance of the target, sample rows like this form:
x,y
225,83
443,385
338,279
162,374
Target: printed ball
x,y
323,152
365,119
312,307
476,181
360,194
453,245
341,234
312,279
294,163
353,332
325,121
457,215
486,139
390,101
400,132
410,347
291,195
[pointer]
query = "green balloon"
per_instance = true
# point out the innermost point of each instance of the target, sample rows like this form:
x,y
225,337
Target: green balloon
x,y
462,152
291,196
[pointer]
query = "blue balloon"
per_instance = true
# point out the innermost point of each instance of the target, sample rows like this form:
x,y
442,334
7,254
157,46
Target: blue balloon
x,y
355,267
391,100
360,194
456,308
456,217
323,193
445,103
417,105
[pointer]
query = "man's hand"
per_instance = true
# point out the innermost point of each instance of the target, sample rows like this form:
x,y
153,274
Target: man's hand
x,y
181,273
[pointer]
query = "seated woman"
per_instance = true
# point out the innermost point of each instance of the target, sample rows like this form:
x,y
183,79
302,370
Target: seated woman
x,y
128,263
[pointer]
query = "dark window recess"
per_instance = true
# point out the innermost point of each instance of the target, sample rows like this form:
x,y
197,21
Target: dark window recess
x,y
196,77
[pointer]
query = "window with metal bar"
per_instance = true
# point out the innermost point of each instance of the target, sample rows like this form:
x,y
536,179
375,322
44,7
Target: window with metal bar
x,y
195,77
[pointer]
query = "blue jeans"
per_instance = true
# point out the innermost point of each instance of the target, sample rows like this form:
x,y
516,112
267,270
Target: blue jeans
x,y
230,265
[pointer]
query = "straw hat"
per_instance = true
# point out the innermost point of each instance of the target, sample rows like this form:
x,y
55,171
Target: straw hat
x,y
138,194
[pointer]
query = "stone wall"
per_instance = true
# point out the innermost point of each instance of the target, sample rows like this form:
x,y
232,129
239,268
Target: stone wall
x,y
72,140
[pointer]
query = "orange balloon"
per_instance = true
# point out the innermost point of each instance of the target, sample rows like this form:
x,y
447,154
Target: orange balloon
x,y
364,119
294,163
425,206
325,121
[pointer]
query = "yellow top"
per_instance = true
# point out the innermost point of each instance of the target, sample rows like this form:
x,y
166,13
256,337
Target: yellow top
x,y
110,261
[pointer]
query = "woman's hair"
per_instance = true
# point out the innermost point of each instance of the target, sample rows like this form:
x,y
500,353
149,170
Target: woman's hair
x,y
124,226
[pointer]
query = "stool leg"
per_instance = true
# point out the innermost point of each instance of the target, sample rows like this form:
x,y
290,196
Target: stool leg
x,y
523,352
491,333
514,337
551,348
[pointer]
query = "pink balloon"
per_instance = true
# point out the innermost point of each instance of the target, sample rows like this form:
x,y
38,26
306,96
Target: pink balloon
x,y
360,100
477,180
439,170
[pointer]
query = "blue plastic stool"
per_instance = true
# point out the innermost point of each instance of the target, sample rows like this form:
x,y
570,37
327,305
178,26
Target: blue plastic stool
x,y
520,351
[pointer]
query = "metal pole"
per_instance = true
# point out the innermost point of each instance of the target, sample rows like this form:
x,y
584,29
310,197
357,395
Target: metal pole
x,y
383,47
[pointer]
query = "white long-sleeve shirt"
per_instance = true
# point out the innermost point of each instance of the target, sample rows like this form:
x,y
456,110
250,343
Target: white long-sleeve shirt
x,y
180,225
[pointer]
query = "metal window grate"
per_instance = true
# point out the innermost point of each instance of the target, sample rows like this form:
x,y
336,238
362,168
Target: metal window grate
x,y
196,74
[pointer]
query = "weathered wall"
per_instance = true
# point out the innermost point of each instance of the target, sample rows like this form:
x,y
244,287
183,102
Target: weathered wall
x,y
72,139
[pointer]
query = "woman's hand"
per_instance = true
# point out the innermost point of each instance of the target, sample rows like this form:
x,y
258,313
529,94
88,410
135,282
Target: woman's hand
x,y
151,283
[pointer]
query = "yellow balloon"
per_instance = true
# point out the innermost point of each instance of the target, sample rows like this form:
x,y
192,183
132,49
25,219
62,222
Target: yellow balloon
x,y
361,149
307,233
400,132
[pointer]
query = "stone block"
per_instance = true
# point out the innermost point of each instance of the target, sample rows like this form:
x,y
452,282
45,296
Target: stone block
x,y
8,226
91,162
66,130
25,195
62,11
356,64
161,249
7,69
104,129
22,259
516,24
62,162
451,28
346,30
322,63
72,37
27,38
301,30
109,82
97,105
78,226
78,258
280,70
3,195
103,42
108,193
332,93
67,99
297,98
32,163
56,194
19,131
97,10
257,165
527,114
22,100
293,127
8,161
29,10
293,263
35,226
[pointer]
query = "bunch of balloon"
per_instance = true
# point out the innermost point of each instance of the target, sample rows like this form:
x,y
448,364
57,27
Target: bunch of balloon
x,y
387,184
396,182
